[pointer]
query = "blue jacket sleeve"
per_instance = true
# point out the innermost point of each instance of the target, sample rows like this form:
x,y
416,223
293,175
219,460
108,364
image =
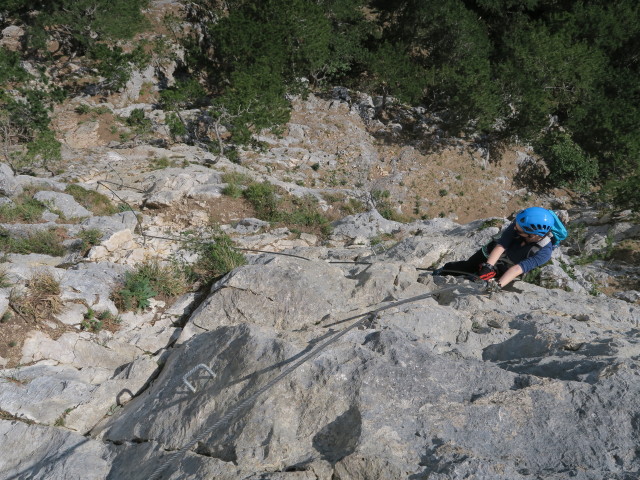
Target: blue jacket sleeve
x,y
541,257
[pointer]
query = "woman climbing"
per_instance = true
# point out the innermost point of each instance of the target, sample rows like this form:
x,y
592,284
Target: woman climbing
x,y
524,245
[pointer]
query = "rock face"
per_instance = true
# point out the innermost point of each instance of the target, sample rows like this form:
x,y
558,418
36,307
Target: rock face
x,y
439,379
524,384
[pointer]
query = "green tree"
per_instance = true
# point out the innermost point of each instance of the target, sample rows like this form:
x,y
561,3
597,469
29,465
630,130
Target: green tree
x,y
453,48
568,164
546,73
76,25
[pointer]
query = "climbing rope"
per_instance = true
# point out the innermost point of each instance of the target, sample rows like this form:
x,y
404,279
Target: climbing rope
x,y
312,354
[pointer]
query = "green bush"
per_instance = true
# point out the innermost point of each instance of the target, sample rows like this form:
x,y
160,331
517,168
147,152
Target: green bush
x,y
305,212
184,94
532,276
149,279
624,191
263,198
135,292
177,128
168,279
113,65
236,177
216,257
232,190
568,164
90,237
10,68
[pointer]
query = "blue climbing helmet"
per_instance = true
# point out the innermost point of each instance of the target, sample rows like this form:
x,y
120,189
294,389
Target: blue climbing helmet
x,y
535,221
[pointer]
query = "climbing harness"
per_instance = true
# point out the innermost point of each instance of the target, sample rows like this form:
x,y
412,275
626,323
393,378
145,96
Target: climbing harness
x,y
363,317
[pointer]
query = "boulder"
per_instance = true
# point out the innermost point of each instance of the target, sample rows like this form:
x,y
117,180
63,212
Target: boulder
x,y
39,452
64,203
9,186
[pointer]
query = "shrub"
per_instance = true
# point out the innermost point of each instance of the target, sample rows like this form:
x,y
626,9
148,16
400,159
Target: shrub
x,y
568,164
306,213
216,257
10,68
135,292
96,321
138,122
384,207
177,128
161,163
169,279
90,238
148,280
263,198
237,178
232,190
532,276
90,322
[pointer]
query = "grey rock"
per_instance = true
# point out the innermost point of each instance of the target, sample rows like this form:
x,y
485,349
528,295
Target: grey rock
x,y
109,225
40,452
261,293
380,399
9,186
368,225
64,203
11,38
248,226
172,184
92,284
631,296
44,398
78,350
42,182
552,276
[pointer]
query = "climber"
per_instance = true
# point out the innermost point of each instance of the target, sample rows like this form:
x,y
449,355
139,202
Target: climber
x,y
525,244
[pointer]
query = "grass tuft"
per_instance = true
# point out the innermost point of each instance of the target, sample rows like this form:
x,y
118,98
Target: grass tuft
x,y
94,201
41,300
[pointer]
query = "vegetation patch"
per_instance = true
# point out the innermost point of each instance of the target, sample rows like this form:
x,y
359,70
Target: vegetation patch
x,y
216,257
23,209
95,321
94,201
148,280
627,251
493,222
89,238
288,210
384,206
46,242
41,300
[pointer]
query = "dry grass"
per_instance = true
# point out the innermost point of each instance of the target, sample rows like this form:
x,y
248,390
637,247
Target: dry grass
x,y
41,300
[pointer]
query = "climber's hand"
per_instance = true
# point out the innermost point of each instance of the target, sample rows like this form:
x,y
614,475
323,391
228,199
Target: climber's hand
x,y
492,286
487,271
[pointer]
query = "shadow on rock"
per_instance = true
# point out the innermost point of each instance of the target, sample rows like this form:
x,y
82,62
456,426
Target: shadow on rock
x,y
339,438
